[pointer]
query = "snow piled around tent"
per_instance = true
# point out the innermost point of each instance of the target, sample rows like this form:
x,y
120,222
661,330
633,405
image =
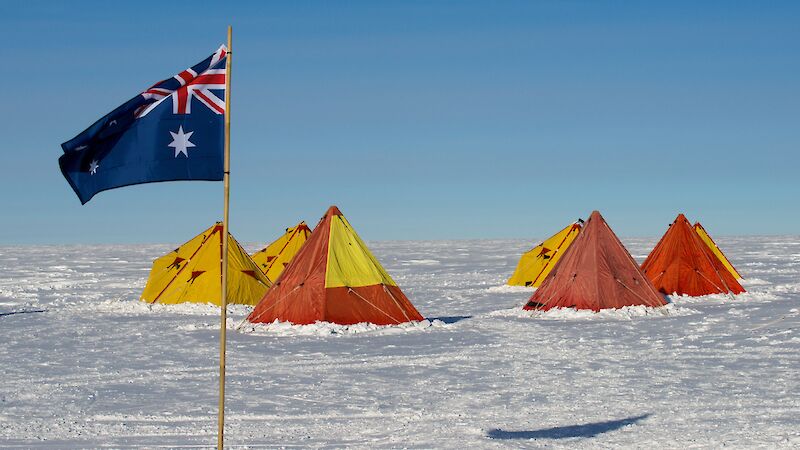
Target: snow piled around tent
x,y
506,289
331,329
117,306
749,297
624,313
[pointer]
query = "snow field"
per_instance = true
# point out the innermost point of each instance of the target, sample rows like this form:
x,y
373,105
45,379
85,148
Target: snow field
x,y
85,364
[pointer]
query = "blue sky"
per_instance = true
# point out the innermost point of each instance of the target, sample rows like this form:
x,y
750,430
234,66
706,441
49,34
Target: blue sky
x,y
421,120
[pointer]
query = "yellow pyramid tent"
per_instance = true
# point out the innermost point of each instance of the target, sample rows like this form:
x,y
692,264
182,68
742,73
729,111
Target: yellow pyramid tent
x,y
273,258
716,250
536,263
193,273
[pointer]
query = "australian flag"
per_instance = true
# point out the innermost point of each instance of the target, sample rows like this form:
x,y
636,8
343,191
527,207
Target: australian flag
x,y
172,131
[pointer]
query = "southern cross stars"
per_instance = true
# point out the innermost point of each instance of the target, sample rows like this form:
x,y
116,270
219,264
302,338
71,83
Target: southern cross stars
x,y
93,167
180,142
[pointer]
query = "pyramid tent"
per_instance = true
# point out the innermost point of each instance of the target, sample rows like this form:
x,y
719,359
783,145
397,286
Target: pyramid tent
x,y
273,258
717,251
596,272
193,273
334,278
682,263
536,263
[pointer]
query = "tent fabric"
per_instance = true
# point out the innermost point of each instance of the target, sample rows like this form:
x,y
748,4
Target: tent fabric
x,y
273,258
716,250
596,272
536,263
335,278
683,264
350,263
193,273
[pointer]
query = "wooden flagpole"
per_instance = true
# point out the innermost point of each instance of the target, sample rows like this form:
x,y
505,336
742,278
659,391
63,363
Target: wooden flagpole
x,y
224,299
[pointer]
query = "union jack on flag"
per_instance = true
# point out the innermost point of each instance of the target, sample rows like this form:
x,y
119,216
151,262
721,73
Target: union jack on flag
x,y
198,82
174,130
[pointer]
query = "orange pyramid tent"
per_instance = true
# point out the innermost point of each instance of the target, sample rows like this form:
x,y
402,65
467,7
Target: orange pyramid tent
x,y
717,251
273,258
596,272
682,263
335,278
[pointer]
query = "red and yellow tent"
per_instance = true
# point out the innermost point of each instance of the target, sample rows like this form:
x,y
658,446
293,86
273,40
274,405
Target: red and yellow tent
x,y
193,273
273,258
335,278
536,263
717,251
682,263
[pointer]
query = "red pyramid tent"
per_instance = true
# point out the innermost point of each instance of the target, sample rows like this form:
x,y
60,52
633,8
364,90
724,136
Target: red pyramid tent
x,y
596,272
334,278
682,263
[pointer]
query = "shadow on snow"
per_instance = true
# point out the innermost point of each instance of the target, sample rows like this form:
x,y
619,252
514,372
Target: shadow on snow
x,y
449,319
22,312
570,431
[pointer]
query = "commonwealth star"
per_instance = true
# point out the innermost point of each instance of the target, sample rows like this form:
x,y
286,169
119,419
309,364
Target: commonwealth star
x,y
180,142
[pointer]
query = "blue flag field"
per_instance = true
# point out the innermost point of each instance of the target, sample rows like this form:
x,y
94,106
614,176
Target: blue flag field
x,y
172,131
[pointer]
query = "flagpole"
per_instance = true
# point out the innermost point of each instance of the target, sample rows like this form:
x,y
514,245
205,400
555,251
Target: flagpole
x,y
224,299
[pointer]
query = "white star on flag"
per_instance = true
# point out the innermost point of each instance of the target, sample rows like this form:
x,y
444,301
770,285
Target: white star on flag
x,y
93,167
180,142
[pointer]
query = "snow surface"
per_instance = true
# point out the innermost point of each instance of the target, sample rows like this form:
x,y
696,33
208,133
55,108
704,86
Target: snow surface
x,y
85,364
